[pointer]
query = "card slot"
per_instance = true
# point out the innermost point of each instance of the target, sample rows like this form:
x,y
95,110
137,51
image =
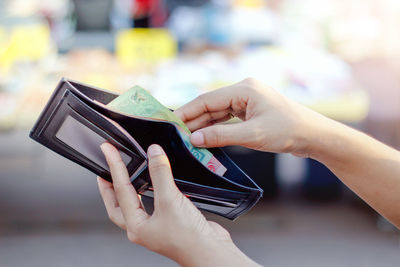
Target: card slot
x,y
105,123
71,127
216,193
126,153
196,198
238,202
76,137
111,128
210,190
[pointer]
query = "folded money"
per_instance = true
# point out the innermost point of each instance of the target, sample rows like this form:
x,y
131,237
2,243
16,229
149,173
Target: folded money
x,y
139,102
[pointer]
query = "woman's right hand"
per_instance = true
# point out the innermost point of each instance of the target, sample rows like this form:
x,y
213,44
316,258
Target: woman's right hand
x,y
270,121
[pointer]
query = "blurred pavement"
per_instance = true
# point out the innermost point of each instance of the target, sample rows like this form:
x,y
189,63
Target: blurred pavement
x,y
51,214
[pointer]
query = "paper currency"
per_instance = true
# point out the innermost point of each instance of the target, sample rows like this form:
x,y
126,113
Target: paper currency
x,y
139,102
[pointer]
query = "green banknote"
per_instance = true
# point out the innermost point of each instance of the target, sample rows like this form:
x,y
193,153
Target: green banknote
x,y
139,102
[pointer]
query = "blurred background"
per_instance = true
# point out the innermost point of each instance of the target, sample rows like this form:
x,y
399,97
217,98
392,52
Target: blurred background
x,y
340,58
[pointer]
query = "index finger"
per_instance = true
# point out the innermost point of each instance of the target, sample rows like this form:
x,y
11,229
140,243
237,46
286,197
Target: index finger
x,y
218,100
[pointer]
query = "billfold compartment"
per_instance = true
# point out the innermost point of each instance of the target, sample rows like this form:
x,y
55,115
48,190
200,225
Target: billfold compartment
x,y
229,195
150,131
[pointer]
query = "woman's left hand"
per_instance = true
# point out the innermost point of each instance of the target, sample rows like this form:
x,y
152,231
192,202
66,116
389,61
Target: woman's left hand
x,y
176,229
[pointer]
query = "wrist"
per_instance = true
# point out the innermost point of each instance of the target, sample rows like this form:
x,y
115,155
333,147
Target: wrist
x,y
324,136
313,131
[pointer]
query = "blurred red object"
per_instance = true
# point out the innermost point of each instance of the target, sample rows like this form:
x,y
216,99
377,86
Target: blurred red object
x,y
149,13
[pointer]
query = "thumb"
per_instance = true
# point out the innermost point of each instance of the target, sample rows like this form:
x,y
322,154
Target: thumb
x,y
161,175
221,135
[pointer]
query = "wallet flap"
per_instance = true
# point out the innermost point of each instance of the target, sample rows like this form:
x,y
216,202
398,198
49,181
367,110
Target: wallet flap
x,y
93,93
76,131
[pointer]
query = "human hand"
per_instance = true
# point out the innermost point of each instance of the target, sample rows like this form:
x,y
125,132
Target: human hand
x,y
270,121
176,229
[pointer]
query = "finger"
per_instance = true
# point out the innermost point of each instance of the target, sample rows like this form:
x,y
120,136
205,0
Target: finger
x,y
218,100
222,135
210,123
125,193
224,119
161,176
205,118
110,202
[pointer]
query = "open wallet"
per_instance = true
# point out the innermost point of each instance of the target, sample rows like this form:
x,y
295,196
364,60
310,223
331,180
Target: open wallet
x,y
75,122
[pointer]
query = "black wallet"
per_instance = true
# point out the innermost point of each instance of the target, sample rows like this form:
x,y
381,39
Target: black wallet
x,y
75,122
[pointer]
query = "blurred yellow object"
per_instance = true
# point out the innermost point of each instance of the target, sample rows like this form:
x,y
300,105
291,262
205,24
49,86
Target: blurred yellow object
x,y
137,46
98,79
250,3
24,42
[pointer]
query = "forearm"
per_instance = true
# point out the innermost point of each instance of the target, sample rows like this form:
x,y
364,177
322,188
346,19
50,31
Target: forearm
x,y
370,168
204,253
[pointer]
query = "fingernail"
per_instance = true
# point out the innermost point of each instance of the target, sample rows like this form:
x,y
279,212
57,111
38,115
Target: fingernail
x,y
155,150
197,138
104,148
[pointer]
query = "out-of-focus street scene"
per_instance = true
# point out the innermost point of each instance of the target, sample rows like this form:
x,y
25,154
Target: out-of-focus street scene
x,y
339,58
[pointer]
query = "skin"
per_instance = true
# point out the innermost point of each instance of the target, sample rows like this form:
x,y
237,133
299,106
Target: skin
x,y
176,229
269,122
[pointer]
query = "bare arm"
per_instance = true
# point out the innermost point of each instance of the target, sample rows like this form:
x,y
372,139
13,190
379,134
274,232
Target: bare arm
x,y
370,168
271,122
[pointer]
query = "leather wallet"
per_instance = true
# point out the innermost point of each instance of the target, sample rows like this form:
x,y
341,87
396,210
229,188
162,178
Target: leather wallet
x,y
75,122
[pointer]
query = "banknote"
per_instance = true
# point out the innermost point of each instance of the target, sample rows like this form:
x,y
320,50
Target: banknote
x,y
139,102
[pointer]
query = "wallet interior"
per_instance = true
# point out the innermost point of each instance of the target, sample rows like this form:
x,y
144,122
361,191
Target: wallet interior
x,y
76,121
